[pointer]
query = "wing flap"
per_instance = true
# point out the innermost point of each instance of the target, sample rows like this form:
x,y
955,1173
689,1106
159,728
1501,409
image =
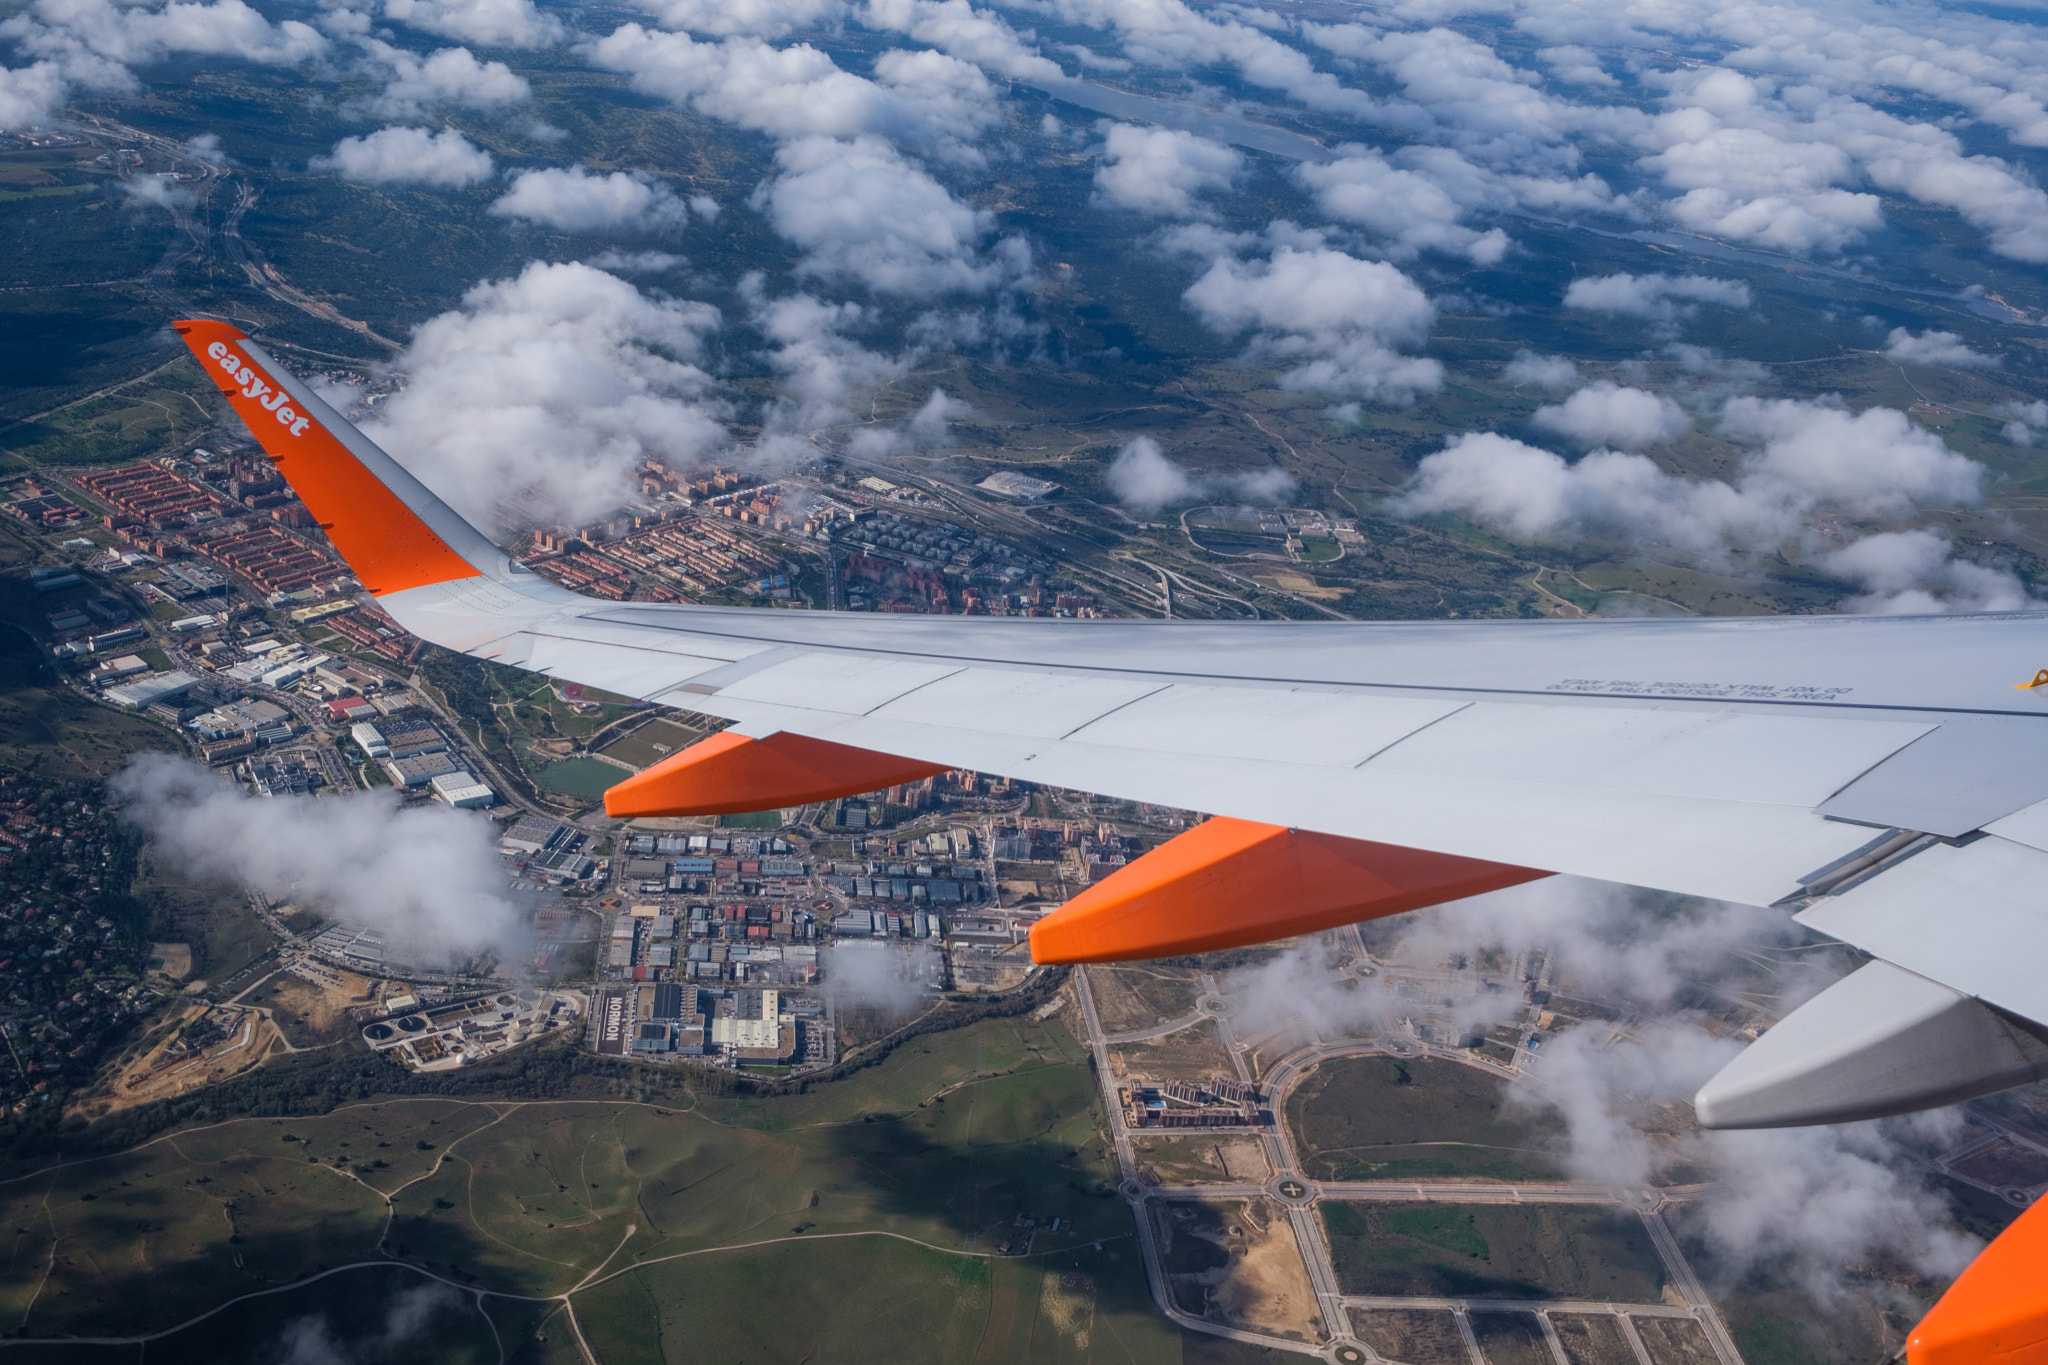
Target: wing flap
x,y
1971,915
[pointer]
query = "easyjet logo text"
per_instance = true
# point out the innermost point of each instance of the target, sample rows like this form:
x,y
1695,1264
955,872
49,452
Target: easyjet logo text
x,y
253,386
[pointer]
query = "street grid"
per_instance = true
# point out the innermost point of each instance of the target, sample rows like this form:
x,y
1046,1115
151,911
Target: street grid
x,y
1298,1195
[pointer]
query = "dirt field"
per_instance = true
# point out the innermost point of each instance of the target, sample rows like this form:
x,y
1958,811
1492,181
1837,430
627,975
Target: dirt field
x,y
1511,1339
1674,1341
1139,996
1194,1053
1183,1160
1590,1340
1238,1264
312,1013
173,960
1411,1336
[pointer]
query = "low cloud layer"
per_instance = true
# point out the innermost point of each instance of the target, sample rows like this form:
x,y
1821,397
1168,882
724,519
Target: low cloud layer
x,y
489,23
878,976
1801,457
1607,414
537,399
1338,320
419,877
1936,348
864,214
575,201
449,78
1660,298
1917,572
408,156
1160,171
1145,479
1811,1205
1415,200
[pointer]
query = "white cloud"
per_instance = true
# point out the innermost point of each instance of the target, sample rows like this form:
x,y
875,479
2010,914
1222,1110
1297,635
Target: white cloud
x,y
408,156
1916,572
156,191
573,200
452,75
2026,420
1871,463
489,23
536,400
1936,348
959,30
78,33
90,46
1170,34
1804,457
1544,371
31,95
1606,414
1766,165
1159,171
928,429
206,146
1660,298
746,18
931,425
613,260
1575,65
862,212
820,370
1145,479
1339,316
1535,497
1460,92
420,877
926,101
1415,199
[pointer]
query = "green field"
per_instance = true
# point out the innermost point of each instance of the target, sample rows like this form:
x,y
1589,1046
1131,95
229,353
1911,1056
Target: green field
x,y
1565,1251
1376,1118
872,1215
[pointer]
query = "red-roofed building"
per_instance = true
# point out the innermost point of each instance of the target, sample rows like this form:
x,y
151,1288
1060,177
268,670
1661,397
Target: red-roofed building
x,y
351,709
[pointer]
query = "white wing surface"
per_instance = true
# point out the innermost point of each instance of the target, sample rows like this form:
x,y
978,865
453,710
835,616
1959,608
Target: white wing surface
x,y
1882,776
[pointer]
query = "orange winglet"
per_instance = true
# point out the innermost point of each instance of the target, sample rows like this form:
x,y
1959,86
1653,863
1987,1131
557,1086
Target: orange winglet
x,y
1996,1313
729,774
1226,883
382,539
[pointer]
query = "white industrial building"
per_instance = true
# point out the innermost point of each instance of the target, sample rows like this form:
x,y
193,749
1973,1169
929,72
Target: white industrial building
x,y
462,790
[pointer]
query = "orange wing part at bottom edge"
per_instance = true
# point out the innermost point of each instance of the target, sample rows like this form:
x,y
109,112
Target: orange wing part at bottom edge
x,y
729,774
1996,1313
1226,883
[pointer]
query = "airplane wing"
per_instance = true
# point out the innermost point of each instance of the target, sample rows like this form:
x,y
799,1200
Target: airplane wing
x,y
1883,779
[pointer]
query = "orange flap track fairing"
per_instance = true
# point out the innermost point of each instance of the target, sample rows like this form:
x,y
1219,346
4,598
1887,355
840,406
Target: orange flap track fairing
x,y
1227,883
729,774
1996,1313
382,539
